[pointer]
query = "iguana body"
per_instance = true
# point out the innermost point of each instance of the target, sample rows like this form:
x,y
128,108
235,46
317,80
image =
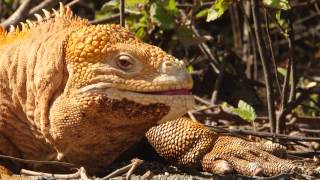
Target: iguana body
x,y
80,93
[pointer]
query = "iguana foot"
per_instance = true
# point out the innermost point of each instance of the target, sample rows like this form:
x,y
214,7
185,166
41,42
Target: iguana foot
x,y
185,142
246,158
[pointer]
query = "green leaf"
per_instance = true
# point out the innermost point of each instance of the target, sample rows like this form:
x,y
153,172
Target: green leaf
x,y
109,6
135,3
282,71
217,9
226,107
202,13
9,1
172,6
245,111
131,5
282,23
277,4
190,69
135,6
161,16
140,33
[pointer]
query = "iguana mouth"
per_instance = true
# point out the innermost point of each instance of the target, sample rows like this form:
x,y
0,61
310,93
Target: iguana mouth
x,y
171,92
104,86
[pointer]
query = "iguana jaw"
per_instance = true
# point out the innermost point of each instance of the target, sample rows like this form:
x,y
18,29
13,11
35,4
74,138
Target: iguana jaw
x,y
168,92
179,103
172,92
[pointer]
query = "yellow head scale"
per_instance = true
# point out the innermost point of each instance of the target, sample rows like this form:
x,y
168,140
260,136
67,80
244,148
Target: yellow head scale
x,y
92,43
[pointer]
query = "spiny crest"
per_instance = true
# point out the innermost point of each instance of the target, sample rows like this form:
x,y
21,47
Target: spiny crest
x,y
64,12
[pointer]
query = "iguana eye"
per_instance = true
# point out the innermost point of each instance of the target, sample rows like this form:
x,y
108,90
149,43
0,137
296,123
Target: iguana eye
x,y
124,62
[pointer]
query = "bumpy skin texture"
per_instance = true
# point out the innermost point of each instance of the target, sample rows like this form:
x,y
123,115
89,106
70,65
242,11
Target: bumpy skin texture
x,y
185,142
80,93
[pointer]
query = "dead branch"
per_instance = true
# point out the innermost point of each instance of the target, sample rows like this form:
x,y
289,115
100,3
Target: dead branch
x,y
222,115
148,175
201,100
265,64
107,19
291,46
122,13
273,59
135,164
46,4
81,173
20,14
293,104
218,84
128,168
264,134
71,3
214,62
304,153
28,161
315,131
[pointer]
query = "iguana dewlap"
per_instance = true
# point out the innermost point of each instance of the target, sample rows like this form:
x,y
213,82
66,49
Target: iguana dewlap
x,y
82,93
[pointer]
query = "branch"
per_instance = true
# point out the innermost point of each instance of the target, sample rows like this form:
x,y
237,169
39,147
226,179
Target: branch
x,y
20,14
263,134
122,13
28,161
271,50
265,64
217,85
284,99
81,173
107,19
43,5
293,104
201,100
206,50
128,168
291,44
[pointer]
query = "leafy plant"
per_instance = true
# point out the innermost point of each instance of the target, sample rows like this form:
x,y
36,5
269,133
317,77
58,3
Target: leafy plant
x,y
163,14
277,4
218,8
245,111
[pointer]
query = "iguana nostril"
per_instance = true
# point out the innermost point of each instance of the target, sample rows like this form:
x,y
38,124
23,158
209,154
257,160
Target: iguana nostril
x,y
168,64
168,67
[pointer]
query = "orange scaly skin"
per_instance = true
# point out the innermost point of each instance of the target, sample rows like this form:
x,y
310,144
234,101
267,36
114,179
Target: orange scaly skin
x,y
185,142
81,93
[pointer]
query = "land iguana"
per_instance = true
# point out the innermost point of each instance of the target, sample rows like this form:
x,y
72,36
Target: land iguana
x,y
81,93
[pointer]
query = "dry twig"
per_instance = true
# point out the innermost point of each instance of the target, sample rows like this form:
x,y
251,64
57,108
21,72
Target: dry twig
x,y
264,134
214,62
201,100
19,14
46,4
81,173
265,64
107,19
28,161
122,13
128,168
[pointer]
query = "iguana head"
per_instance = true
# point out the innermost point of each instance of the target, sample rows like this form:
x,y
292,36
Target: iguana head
x,y
109,59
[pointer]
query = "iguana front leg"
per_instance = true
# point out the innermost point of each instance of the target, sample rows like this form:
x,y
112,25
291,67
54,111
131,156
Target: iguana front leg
x,y
185,142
